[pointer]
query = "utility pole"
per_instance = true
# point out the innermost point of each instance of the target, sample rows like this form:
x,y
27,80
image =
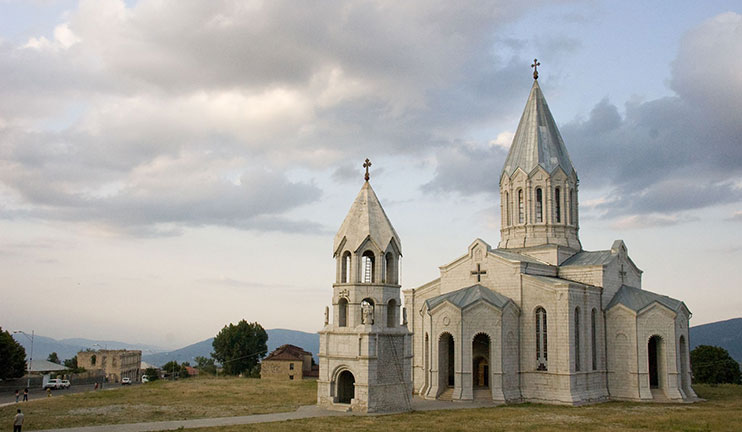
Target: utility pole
x,y
30,357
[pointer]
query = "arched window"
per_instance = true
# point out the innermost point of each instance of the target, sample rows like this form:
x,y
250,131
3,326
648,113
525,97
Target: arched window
x,y
508,217
557,205
541,340
391,313
367,264
577,339
345,271
343,312
367,311
539,205
521,207
389,268
593,341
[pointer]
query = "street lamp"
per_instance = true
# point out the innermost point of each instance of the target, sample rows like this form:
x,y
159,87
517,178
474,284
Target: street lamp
x,y
30,357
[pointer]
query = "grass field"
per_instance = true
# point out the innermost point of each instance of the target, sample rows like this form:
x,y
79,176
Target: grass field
x,y
166,400
721,412
210,397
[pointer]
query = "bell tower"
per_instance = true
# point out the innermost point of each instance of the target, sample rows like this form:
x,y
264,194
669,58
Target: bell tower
x,y
365,355
538,186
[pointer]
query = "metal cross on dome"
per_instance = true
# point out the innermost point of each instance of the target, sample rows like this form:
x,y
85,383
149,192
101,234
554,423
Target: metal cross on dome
x,y
535,66
366,165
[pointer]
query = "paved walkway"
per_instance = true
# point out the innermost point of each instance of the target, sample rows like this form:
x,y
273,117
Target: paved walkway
x,y
307,411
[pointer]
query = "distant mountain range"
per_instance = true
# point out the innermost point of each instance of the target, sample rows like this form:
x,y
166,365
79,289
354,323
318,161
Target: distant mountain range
x,y
154,355
276,338
726,334
68,348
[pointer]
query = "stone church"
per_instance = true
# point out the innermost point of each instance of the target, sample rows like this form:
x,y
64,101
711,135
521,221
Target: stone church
x,y
536,319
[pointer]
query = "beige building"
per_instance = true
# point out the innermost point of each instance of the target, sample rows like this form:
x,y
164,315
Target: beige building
x,y
287,362
536,319
116,364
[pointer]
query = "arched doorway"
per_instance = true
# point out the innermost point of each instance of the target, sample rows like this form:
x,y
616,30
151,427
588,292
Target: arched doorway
x,y
346,387
654,349
446,361
480,360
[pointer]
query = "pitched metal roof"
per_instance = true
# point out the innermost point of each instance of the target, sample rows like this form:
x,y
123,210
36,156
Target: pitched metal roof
x,y
40,365
589,258
287,352
366,218
468,296
637,299
537,140
514,256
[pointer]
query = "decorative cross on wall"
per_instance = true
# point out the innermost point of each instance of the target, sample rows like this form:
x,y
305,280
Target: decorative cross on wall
x,y
622,273
535,66
479,272
366,165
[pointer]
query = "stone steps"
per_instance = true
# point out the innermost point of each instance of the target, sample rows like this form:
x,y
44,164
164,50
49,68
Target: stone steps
x,y
446,395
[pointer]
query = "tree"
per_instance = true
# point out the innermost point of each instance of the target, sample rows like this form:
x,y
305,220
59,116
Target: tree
x,y
172,367
239,347
54,358
714,365
71,364
152,374
12,357
205,365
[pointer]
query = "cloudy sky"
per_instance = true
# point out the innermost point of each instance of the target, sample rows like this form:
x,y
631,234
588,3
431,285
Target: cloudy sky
x,y
167,167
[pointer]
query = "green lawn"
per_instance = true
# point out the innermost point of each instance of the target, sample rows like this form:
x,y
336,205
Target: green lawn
x,y
166,400
722,412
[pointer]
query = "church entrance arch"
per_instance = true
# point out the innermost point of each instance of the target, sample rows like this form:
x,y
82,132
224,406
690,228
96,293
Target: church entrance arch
x,y
480,360
346,387
654,354
446,361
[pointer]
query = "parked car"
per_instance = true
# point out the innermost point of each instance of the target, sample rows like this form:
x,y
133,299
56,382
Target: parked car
x,y
125,381
56,384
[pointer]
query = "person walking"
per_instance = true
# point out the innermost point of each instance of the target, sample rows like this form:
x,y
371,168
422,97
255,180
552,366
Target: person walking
x,y
25,394
18,421
17,395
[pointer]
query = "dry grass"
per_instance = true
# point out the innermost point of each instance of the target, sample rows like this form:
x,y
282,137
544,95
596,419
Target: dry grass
x,y
722,412
164,400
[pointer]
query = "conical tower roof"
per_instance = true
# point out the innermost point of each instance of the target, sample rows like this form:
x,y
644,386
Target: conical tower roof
x,y
366,218
537,140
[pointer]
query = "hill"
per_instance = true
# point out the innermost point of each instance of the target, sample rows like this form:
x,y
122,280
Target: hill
x,y
726,334
68,348
276,338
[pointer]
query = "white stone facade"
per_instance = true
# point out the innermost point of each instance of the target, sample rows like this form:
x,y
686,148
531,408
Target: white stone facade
x,y
562,325
537,319
365,356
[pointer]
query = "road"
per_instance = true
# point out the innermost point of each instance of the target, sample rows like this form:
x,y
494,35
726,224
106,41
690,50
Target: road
x,y
38,393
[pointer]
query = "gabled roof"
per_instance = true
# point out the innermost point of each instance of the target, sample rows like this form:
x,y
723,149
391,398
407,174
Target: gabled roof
x,y
287,352
515,256
537,140
44,366
589,258
468,296
366,219
637,299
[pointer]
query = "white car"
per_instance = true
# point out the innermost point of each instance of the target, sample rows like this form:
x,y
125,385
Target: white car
x,y
56,384
125,381
145,379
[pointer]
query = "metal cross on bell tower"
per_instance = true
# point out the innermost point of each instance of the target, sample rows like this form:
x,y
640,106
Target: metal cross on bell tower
x,y
366,165
535,66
